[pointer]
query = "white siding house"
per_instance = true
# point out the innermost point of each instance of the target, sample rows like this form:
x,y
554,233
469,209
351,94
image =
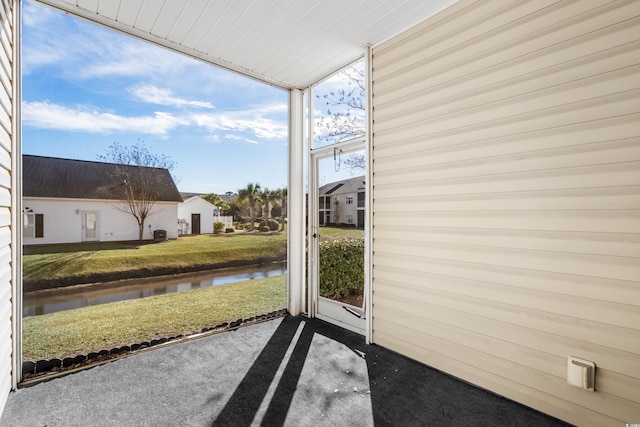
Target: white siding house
x,y
67,201
342,202
196,216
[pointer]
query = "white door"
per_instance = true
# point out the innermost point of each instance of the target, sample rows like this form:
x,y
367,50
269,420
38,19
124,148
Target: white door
x,y
89,226
337,285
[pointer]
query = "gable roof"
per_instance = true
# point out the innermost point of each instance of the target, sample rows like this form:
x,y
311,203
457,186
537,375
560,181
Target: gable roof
x,y
53,177
349,185
196,198
224,197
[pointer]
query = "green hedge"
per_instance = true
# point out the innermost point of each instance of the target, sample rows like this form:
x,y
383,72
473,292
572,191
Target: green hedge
x,y
218,226
341,267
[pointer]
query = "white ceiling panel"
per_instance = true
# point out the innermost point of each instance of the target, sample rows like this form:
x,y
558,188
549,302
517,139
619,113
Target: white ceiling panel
x,y
168,18
286,43
109,9
127,11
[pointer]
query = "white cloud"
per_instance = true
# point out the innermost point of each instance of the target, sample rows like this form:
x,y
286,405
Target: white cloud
x,y
259,121
47,115
156,95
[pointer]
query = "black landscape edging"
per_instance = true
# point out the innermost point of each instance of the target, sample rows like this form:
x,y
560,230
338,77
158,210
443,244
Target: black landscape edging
x,y
32,285
32,370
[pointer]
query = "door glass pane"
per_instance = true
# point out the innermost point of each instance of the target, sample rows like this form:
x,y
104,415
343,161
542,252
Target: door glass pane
x,y
341,252
90,225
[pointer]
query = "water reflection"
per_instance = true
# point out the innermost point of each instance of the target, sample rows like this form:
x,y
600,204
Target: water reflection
x,y
50,301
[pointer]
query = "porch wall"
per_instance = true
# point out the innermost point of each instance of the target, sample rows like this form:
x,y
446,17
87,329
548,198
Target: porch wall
x,y
6,190
506,188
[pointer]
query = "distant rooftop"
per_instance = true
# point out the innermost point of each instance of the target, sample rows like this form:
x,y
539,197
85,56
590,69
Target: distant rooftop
x,y
54,177
349,185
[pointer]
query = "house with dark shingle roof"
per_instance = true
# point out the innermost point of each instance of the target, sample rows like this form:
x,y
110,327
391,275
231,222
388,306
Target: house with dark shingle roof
x,y
68,201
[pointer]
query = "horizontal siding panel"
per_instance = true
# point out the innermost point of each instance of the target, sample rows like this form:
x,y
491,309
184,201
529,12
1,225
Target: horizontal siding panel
x,y
5,159
573,284
544,362
517,141
614,198
573,38
506,199
617,104
5,179
619,268
5,237
511,387
588,221
5,197
618,175
434,168
526,75
5,217
610,244
522,307
429,85
500,158
617,314
6,243
468,111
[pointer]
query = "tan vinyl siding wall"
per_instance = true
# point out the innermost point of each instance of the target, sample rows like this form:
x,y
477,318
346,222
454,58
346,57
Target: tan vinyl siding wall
x,y
6,131
506,187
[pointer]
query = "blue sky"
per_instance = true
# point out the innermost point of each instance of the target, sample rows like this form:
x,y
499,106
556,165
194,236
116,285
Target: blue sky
x,y
85,87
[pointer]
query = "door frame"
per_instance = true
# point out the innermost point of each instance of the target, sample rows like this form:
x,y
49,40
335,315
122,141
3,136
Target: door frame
x,y
84,237
193,222
317,306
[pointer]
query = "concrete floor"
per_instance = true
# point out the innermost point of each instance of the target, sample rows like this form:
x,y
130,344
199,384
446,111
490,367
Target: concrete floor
x,y
289,371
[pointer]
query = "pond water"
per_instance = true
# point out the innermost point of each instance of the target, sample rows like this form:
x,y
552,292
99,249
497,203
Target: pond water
x,y
52,300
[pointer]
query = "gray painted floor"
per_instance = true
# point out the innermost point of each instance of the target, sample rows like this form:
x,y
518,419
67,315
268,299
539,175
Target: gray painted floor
x,y
289,371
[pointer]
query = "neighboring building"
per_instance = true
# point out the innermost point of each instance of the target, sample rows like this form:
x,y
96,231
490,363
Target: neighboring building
x,y
196,215
68,201
342,202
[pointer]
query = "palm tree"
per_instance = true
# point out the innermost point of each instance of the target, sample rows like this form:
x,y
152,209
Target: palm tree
x,y
250,193
281,195
268,197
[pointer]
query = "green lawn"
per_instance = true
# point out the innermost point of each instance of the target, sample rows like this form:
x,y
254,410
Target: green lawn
x,y
333,232
82,330
206,250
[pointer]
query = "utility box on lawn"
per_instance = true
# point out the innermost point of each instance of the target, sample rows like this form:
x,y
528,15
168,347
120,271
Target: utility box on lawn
x,y
159,235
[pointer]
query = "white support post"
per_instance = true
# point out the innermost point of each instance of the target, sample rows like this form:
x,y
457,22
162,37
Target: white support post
x,y
368,230
16,197
295,211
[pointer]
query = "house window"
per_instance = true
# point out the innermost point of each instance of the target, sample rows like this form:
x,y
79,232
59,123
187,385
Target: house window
x,y
349,219
33,225
349,199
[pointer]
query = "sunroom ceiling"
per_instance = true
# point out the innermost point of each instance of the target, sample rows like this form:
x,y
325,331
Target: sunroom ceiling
x,y
286,43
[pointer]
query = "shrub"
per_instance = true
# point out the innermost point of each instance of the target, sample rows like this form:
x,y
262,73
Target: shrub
x,y
229,230
272,225
218,227
236,224
341,267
